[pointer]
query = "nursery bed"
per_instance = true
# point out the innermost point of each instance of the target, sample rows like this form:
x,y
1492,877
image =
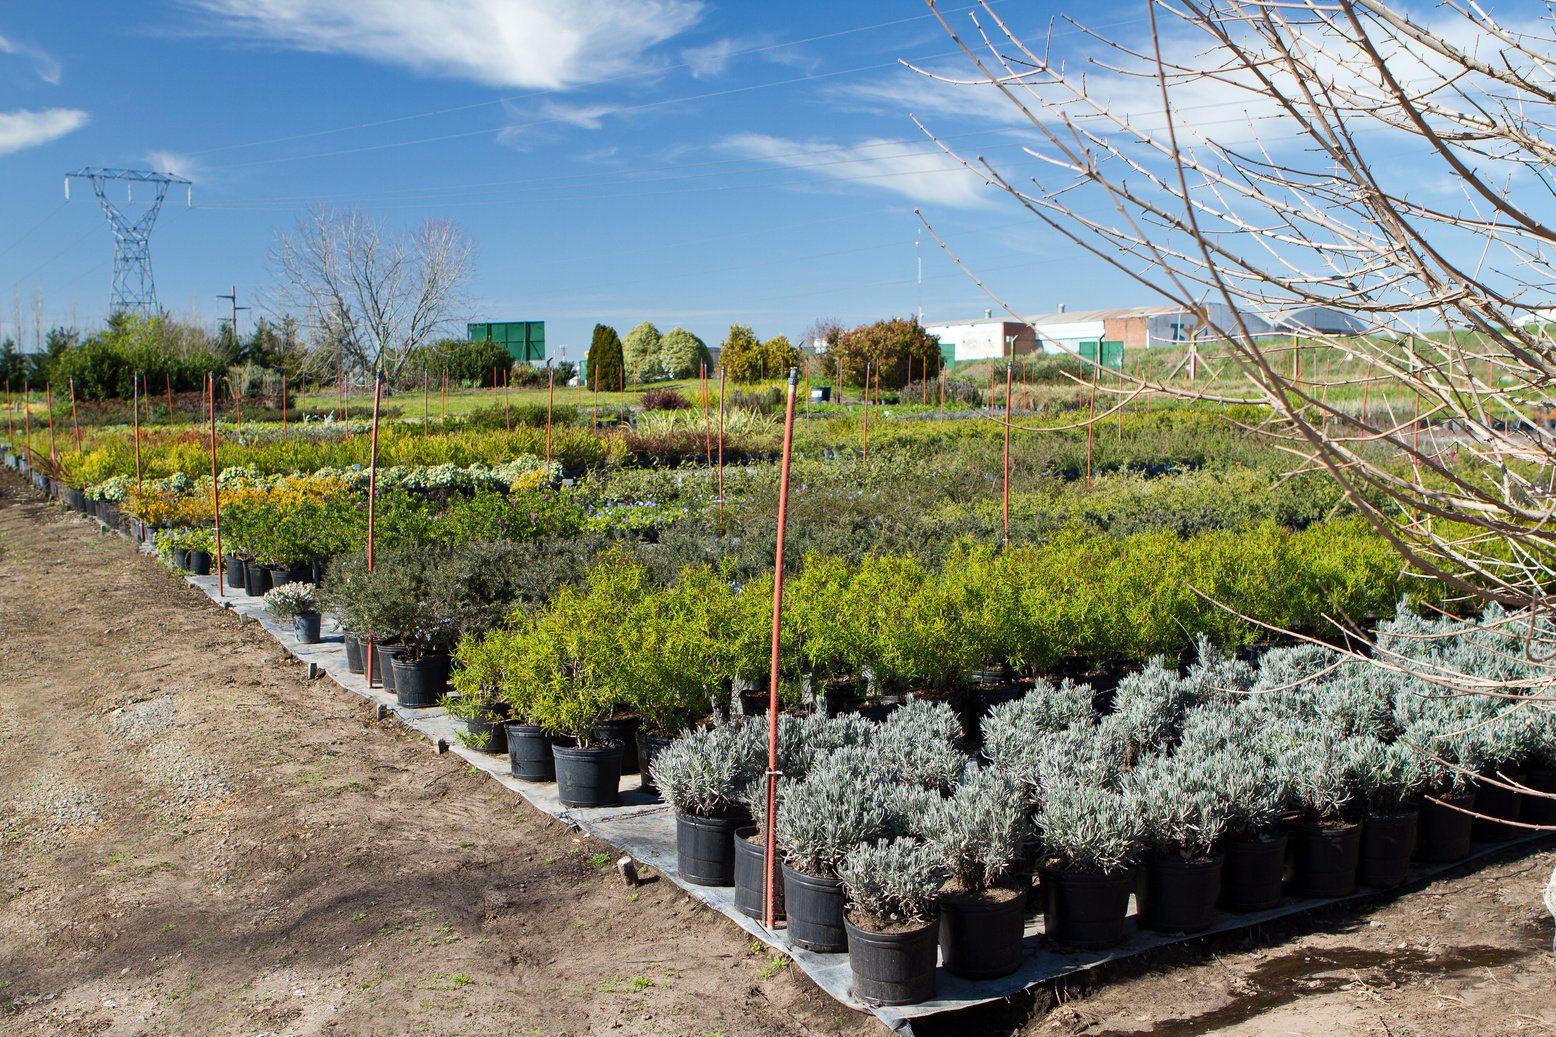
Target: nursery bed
x,y
645,829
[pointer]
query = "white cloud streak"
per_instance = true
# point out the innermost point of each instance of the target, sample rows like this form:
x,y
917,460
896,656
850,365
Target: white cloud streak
x,y
505,43
177,164
47,68
27,129
915,171
711,60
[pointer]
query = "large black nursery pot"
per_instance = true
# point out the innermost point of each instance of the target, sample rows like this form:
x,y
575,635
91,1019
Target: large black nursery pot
x,y
1443,833
893,968
234,572
1496,801
705,848
1086,909
200,563
649,746
980,933
383,665
420,683
1387,842
256,579
1252,873
625,731
1178,895
529,752
1539,810
298,573
814,907
751,875
487,729
307,625
181,559
588,777
353,652
1324,858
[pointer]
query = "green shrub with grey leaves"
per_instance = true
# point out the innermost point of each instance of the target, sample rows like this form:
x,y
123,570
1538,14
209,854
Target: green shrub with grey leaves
x,y
894,880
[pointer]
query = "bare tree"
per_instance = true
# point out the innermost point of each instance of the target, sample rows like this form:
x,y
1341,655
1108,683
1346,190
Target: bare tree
x,y
371,299
1332,153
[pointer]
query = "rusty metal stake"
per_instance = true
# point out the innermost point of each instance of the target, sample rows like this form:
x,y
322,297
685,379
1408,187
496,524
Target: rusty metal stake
x,y
771,870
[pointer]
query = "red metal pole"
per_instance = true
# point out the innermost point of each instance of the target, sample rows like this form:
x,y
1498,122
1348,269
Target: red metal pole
x,y
942,392
283,403
135,392
426,404
866,412
27,419
721,447
372,495
1008,378
10,419
216,493
771,869
550,404
507,411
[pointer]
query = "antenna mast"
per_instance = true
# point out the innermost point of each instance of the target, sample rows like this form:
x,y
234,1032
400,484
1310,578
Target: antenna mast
x,y
134,291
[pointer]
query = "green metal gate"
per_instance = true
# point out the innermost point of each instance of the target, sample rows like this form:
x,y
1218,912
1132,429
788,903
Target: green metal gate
x,y
1112,354
525,340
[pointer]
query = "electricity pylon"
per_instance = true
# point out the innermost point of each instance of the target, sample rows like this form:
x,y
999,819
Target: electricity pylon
x,y
134,291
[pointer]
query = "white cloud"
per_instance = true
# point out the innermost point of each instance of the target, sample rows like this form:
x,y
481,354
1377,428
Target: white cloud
x,y
177,164
48,69
916,171
26,129
705,62
506,43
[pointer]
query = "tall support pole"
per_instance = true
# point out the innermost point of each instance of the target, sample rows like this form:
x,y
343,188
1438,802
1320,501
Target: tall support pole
x,y
722,374
550,406
942,393
283,403
426,405
1008,379
1091,405
866,411
216,494
372,515
10,418
135,392
771,868
27,419
507,410
445,394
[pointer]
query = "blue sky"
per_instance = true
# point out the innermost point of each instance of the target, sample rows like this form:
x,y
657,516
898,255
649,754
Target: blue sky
x,y
693,164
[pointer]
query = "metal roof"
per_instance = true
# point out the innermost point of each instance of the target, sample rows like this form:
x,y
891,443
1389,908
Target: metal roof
x,y
1068,317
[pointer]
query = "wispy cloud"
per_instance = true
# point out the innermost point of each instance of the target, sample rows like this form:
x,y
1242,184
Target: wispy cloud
x,y
507,43
914,171
26,129
47,68
711,60
177,164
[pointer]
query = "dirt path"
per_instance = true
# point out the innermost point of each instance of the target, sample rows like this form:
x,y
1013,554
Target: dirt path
x,y
196,839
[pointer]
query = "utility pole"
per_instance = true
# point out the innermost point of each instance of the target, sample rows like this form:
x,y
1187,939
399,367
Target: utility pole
x,y
134,291
233,298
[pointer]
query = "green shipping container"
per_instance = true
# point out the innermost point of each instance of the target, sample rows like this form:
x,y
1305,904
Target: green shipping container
x,y
525,340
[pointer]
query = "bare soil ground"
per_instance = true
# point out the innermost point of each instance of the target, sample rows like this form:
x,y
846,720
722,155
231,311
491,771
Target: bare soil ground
x,y
196,839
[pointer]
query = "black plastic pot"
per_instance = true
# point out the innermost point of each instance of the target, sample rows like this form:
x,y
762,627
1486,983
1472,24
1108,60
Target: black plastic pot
x,y
306,626
487,731
200,563
814,908
420,683
1386,844
893,968
383,665
1324,858
181,559
1495,801
977,701
1086,910
625,731
705,848
1251,875
529,753
588,777
751,875
980,934
1539,810
233,569
649,746
1442,833
1174,895
256,579
299,573
353,652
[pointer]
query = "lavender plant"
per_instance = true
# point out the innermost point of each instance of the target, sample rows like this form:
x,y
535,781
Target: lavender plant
x,y
891,881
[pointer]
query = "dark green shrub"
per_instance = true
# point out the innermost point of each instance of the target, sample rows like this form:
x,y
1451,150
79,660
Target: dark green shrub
x,y
605,368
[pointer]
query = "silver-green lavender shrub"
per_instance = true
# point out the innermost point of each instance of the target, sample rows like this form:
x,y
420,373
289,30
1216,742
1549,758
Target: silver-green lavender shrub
x,y
895,880
1327,776
1086,828
1150,704
1392,775
844,801
980,830
1184,801
918,742
704,772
